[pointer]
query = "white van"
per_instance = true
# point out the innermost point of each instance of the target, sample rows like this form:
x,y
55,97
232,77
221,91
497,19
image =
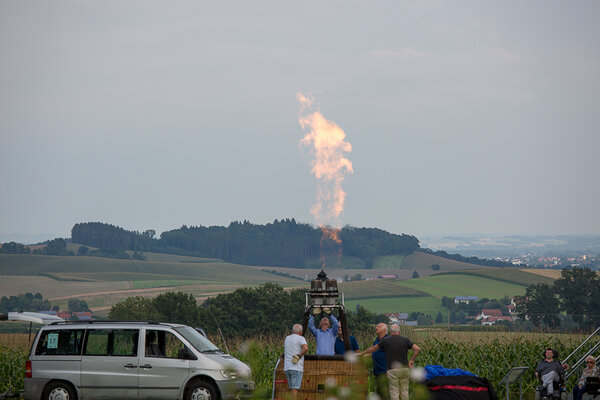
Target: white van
x,y
131,360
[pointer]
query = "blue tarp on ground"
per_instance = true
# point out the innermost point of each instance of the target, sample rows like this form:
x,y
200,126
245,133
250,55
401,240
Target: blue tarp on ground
x,y
438,370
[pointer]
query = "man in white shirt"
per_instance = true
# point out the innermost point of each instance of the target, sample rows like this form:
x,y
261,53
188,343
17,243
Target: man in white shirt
x,y
294,349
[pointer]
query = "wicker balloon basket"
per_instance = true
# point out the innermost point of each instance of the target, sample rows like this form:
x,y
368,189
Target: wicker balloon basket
x,y
323,376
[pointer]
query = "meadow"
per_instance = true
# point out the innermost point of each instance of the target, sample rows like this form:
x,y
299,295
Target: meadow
x,y
380,305
487,354
455,284
102,282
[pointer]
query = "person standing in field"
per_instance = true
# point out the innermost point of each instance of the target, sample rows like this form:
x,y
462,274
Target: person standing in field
x,y
325,335
380,363
396,349
340,347
294,347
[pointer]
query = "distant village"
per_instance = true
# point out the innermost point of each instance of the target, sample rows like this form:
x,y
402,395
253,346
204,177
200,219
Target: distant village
x,y
554,262
484,317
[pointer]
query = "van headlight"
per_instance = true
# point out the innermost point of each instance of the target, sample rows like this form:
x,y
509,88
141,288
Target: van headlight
x,y
245,373
228,374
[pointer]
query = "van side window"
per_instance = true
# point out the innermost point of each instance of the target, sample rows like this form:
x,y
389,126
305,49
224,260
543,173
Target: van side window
x,y
60,342
162,344
112,342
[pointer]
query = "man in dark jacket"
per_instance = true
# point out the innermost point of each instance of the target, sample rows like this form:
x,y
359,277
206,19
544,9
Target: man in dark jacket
x,y
396,349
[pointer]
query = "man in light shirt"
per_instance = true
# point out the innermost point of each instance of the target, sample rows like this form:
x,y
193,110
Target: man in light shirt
x,y
294,347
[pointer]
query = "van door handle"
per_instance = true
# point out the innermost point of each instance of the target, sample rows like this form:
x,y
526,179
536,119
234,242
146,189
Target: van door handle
x,y
130,366
146,366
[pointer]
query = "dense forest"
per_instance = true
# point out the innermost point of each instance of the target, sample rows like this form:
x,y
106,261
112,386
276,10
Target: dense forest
x,y
280,243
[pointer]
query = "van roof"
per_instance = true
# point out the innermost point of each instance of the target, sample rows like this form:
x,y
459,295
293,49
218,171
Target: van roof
x,y
113,322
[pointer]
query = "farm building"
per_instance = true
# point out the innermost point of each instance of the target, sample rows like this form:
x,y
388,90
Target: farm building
x,y
493,320
397,318
465,299
486,313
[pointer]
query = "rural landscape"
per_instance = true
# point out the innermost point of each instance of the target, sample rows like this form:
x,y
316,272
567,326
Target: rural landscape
x,y
315,200
420,291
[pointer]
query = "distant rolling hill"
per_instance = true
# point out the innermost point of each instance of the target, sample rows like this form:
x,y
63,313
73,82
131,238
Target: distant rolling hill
x,y
419,259
105,281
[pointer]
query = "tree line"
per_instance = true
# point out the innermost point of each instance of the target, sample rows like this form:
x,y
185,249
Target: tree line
x,y
280,243
472,260
25,302
266,309
576,293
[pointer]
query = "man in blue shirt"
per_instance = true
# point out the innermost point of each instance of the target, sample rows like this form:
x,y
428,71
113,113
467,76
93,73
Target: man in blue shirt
x,y
325,335
340,348
380,363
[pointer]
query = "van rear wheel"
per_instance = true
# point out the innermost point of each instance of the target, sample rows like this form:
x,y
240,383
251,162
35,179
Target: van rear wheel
x,y
59,391
202,390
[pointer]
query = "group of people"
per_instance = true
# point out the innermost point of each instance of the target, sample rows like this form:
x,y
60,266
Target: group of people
x,y
389,353
390,359
550,372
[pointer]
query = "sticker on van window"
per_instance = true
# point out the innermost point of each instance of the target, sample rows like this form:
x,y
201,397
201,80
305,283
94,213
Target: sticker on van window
x,y
52,341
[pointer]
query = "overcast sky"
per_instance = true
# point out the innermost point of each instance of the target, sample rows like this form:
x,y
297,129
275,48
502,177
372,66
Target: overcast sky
x,y
471,116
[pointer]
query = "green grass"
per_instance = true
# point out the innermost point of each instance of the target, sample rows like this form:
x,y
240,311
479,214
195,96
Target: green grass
x,y
418,260
388,262
452,285
509,275
425,304
376,288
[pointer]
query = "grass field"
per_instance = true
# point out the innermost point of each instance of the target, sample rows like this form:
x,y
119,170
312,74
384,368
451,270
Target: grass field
x,y
509,275
419,260
452,285
376,288
103,282
425,304
388,262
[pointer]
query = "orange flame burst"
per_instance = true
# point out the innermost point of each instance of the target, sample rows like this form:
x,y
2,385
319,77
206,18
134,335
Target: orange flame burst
x,y
329,165
331,244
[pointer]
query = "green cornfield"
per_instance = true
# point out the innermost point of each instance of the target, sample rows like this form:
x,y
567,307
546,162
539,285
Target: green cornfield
x,y
486,354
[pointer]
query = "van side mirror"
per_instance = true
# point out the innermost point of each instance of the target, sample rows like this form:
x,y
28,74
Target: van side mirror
x,y
185,354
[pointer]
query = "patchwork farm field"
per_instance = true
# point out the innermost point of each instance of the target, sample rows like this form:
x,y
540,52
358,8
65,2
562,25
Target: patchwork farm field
x,y
509,275
424,294
103,282
456,284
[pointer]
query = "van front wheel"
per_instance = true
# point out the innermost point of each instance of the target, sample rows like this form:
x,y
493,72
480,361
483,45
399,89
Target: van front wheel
x,y
201,390
59,391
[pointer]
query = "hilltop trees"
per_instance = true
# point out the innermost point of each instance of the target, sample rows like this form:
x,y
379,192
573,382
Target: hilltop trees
x,y
14,248
280,243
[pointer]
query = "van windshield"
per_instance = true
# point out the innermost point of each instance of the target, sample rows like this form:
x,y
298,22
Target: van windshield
x,y
201,343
